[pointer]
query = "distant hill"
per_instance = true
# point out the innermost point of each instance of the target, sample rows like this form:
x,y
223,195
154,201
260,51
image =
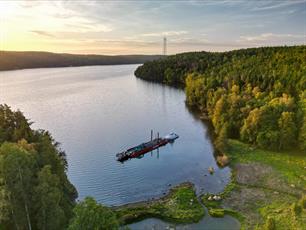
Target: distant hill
x,y
11,60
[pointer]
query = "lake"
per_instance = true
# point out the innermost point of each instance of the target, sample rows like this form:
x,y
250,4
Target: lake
x,y
98,111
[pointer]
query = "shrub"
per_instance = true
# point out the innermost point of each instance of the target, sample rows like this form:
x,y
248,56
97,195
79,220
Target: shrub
x,y
270,224
216,212
223,160
296,209
303,202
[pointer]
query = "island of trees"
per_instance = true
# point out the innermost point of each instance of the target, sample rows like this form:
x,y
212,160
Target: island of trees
x,y
256,95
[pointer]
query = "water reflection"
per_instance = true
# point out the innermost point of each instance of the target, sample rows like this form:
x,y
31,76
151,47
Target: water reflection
x,y
96,111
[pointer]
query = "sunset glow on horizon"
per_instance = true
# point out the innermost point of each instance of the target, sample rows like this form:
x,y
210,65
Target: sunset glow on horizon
x,y
134,27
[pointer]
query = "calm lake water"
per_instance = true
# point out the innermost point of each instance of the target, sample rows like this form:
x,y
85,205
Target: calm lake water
x,y
98,111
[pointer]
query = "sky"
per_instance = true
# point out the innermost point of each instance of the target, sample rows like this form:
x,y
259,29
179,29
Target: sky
x,y
138,27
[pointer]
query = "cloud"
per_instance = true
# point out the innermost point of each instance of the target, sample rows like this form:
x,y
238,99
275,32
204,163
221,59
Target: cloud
x,y
271,5
55,17
270,37
165,33
42,33
82,25
188,25
252,5
214,3
28,4
189,40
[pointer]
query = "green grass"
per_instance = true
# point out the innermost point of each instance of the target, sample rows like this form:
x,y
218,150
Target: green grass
x,y
220,212
214,207
180,205
284,215
291,164
216,212
281,212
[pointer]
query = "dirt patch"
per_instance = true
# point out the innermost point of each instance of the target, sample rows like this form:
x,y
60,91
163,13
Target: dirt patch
x,y
264,176
247,200
251,174
258,185
243,201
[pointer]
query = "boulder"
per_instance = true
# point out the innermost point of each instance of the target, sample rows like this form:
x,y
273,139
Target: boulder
x,y
211,170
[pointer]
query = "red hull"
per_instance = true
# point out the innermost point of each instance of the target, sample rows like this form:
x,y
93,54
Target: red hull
x,y
149,149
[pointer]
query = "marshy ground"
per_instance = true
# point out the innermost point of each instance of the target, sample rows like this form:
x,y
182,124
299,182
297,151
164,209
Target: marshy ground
x,y
267,191
180,205
269,186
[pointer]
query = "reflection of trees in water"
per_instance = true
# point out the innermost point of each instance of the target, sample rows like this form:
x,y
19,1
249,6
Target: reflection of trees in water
x,y
196,114
210,134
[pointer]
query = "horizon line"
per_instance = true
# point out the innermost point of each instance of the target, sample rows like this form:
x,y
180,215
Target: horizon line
x,y
138,54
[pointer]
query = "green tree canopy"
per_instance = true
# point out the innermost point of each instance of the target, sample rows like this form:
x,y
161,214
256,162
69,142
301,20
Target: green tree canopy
x,y
258,93
16,176
88,214
35,192
48,195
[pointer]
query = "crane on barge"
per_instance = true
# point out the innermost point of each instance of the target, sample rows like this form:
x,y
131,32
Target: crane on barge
x,y
146,147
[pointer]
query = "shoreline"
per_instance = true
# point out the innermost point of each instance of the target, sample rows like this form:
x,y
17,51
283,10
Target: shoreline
x,y
267,187
258,190
152,200
180,205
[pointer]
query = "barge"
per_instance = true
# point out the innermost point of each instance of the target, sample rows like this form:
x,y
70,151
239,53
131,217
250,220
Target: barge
x,y
146,147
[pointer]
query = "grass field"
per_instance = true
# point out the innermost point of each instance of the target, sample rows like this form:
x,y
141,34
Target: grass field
x,y
290,164
268,189
180,205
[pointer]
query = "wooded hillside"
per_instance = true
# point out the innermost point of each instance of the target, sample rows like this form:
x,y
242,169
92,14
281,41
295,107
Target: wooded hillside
x,y
35,192
10,60
257,95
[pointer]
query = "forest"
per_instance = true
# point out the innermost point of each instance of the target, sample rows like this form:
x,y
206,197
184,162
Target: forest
x,y
35,192
10,60
256,95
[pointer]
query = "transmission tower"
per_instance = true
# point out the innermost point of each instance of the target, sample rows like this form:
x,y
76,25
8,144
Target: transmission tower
x,y
165,46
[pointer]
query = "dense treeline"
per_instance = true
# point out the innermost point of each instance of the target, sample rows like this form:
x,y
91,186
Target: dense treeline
x,y
35,192
88,215
10,60
257,95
